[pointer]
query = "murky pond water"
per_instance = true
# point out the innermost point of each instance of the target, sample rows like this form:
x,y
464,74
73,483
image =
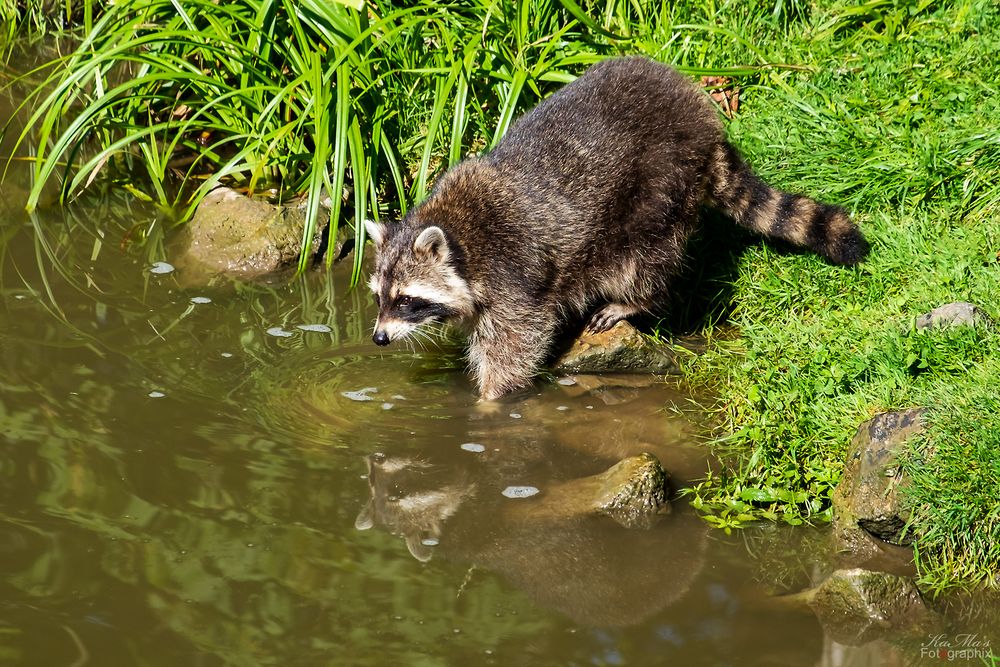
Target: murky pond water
x,y
236,475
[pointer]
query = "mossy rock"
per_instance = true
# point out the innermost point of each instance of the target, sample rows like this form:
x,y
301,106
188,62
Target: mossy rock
x,y
634,491
236,236
619,349
867,502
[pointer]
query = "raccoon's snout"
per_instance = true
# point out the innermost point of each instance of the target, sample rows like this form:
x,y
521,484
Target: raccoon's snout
x,y
380,338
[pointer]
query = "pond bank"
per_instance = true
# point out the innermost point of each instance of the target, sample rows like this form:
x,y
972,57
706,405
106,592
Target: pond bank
x,y
820,349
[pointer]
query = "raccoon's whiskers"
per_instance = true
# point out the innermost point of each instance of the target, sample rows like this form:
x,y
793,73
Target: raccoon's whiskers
x,y
428,334
423,338
416,339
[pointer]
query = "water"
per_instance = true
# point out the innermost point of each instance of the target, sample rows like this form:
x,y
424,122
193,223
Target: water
x,y
235,475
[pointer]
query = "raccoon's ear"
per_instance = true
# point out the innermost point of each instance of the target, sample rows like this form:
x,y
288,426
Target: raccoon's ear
x,y
366,517
432,243
376,231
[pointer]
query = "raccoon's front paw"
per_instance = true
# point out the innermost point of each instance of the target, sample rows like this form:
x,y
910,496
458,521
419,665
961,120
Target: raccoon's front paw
x,y
487,407
609,315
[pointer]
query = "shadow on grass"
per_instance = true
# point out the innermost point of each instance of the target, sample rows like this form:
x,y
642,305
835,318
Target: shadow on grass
x,y
702,294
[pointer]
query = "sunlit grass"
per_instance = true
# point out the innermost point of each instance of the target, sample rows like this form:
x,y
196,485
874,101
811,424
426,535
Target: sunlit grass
x,y
897,122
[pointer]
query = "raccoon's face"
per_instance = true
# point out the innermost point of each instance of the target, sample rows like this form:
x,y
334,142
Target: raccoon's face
x,y
412,498
415,281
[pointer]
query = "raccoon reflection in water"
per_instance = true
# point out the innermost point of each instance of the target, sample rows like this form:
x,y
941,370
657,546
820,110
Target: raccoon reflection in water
x,y
445,498
589,568
585,206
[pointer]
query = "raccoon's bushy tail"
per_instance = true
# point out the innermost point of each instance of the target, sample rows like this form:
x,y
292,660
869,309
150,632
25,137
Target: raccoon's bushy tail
x,y
802,221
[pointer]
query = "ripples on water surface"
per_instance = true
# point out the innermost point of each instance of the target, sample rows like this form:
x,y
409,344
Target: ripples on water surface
x,y
236,475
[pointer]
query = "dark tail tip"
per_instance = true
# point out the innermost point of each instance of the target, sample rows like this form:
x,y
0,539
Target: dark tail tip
x,y
849,249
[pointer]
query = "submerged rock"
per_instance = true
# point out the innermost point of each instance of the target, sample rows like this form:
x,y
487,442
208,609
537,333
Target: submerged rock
x,y
634,491
867,502
234,235
620,348
609,388
957,314
584,382
858,606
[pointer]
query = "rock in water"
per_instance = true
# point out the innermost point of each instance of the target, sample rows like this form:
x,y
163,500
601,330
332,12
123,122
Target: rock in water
x,y
867,501
858,606
234,235
620,348
634,491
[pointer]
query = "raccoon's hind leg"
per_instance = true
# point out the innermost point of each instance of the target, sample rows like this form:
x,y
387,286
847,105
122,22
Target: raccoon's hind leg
x,y
506,355
640,283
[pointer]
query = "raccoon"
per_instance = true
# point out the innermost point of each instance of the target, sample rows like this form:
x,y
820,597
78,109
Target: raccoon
x,y
584,207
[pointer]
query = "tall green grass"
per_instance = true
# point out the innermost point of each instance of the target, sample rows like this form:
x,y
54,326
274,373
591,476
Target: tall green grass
x,y
369,102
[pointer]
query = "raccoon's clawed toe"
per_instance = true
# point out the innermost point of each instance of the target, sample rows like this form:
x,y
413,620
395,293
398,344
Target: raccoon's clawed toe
x,y
601,324
608,316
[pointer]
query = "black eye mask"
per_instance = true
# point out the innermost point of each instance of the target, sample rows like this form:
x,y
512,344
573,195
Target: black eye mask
x,y
415,309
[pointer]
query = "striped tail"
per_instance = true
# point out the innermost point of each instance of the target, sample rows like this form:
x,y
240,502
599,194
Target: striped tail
x,y
802,221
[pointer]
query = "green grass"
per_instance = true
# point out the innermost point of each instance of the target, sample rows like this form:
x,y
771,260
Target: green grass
x,y
956,474
888,107
32,19
902,129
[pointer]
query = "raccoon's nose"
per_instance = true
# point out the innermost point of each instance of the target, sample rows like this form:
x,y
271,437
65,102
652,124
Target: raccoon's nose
x,y
380,338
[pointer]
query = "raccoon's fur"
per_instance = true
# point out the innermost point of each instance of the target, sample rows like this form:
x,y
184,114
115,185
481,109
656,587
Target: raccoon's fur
x,y
585,206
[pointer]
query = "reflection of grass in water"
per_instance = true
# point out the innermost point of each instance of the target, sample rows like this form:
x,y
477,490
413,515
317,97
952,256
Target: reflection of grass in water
x,y
81,265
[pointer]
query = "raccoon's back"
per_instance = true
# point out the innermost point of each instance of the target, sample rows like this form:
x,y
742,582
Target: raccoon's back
x,y
559,201
624,120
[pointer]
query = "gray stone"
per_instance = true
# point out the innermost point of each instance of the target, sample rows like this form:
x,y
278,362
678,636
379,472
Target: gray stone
x,y
858,606
619,349
867,501
957,314
234,235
